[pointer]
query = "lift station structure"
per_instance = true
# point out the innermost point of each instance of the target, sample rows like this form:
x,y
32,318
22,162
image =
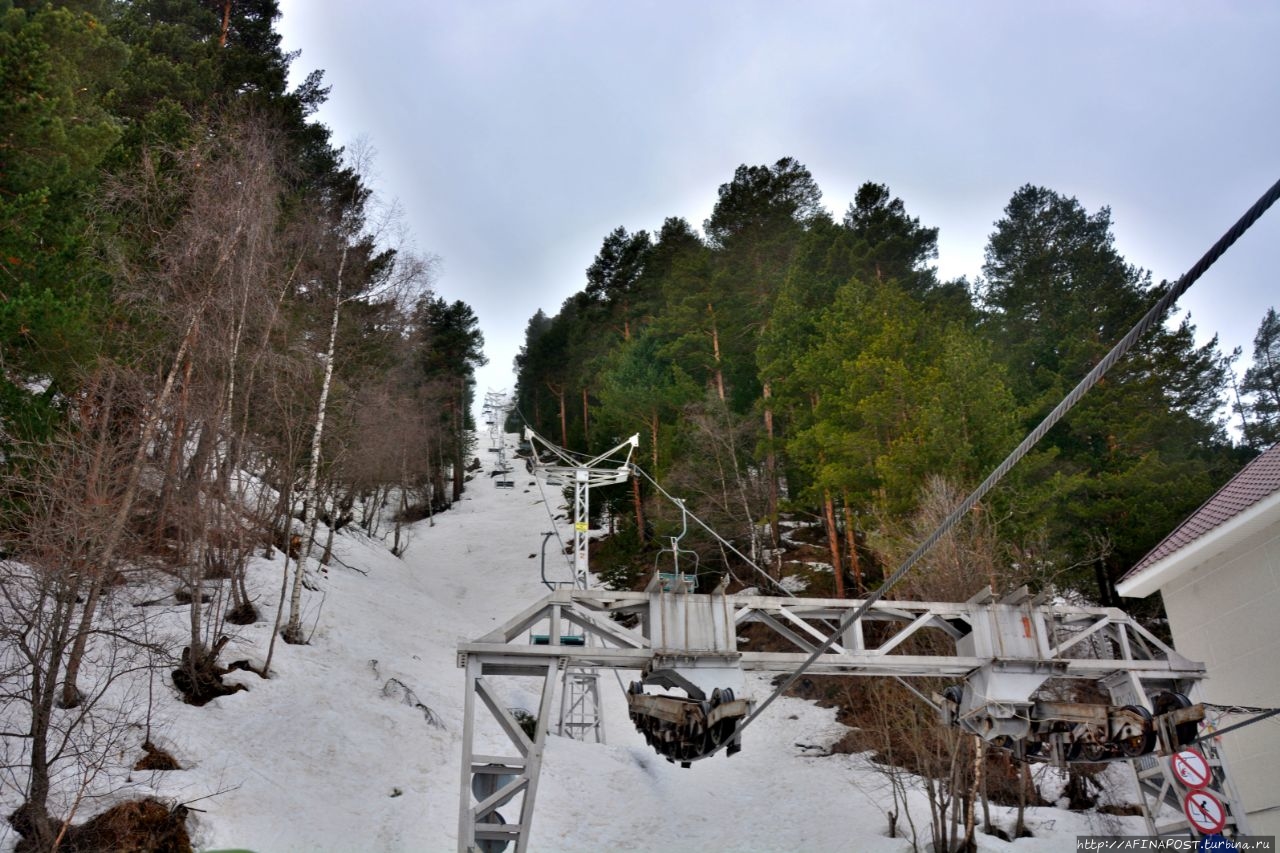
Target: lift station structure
x,y
688,698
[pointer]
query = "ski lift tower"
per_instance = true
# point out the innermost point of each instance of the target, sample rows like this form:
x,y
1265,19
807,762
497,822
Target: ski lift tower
x,y
580,716
496,408
603,470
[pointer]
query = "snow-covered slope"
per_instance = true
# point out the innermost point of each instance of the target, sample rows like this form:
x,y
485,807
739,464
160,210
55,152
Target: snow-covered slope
x,y
319,758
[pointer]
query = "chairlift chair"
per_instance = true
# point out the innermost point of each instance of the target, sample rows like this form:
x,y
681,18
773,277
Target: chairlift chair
x,y
674,578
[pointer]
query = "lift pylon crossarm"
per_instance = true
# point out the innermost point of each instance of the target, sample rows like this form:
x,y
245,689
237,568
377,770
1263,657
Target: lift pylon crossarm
x,y
603,470
574,463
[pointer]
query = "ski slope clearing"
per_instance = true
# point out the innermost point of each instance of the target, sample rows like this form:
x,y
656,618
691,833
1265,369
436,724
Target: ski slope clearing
x,y
355,743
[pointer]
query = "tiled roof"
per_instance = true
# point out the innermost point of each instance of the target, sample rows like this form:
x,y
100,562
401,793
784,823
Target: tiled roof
x,y
1258,480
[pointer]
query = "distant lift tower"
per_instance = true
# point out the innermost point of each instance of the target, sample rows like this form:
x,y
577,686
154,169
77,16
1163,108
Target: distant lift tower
x,y
580,716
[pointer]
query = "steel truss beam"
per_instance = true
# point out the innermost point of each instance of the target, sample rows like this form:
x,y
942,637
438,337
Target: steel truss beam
x,y
1008,646
895,638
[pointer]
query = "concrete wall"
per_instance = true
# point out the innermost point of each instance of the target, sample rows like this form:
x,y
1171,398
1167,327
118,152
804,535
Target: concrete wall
x,y
1227,613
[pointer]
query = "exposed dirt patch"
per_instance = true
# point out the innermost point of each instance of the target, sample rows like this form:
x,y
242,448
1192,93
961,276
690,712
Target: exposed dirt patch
x,y
156,758
199,678
243,614
138,826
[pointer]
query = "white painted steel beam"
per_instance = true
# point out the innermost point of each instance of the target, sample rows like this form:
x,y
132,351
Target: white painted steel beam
x,y
1008,646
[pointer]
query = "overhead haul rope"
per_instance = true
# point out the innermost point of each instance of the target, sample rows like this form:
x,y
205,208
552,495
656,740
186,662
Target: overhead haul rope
x,y
555,528
1238,709
1261,714
725,542
1153,316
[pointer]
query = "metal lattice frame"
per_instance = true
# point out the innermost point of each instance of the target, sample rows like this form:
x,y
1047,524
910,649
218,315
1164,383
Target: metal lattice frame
x,y
580,715
1161,792
585,474
1014,643
1066,641
493,781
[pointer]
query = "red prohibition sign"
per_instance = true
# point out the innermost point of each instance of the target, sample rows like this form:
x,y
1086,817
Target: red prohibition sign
x,y
1205,811
1191,768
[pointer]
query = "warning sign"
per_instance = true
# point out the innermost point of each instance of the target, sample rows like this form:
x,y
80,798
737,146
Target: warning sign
x,y
1205,812
1191,768
580,526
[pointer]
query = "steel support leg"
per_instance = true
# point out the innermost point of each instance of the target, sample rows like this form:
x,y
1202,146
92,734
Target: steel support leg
x,y
580,716
490,782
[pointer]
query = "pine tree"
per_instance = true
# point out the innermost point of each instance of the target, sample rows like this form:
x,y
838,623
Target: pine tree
x,y
754,229
1145,446
56,67
455,348
1261,384
614,278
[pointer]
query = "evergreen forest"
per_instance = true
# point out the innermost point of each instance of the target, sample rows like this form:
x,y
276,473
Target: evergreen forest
x,y
785,368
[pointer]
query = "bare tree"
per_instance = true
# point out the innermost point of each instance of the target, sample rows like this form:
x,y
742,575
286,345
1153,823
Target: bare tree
x,y
61,498
352,263
721,479
951,765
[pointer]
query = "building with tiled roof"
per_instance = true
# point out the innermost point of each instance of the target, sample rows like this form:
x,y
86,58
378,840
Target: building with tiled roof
x,y
1218,574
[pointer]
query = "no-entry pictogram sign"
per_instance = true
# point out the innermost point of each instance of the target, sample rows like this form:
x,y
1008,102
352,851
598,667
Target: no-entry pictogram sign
x,y
1191,768
1205,811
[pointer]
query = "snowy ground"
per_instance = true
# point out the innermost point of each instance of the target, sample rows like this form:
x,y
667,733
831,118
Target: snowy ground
x,y
319,759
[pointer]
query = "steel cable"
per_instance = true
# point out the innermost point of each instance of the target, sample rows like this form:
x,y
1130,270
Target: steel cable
x,y
566,453
725,542
1154,315
1217,733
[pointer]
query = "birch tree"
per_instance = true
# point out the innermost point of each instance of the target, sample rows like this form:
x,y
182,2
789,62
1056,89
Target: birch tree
x,y
351,263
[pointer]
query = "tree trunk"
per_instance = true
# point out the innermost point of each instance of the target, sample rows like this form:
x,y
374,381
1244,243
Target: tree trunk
x,y
653,439
833,541
771,466
226,23
851,545
715,351
178,441
293,631
1024,780
639,507
975,781
404,508
70,689
1105,592
982,789
45,659
564,423
284,588
459,440
438,489
327,556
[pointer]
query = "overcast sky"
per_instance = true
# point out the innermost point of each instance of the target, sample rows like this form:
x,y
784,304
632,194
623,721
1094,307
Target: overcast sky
x,y
516,135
